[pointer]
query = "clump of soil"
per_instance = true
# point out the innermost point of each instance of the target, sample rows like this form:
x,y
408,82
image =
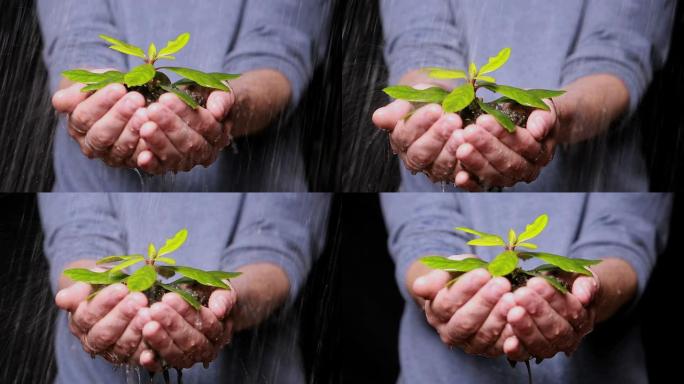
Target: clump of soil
x,y
152,91
519,278
200,292
514,111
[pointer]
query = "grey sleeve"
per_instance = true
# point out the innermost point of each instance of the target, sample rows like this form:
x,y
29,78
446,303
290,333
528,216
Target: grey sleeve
x,y
285,229
78,226
420,34
285,35
70,30
627,38
630,226
421,224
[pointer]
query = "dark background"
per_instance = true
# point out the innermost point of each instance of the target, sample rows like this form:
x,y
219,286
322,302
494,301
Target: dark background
x,y
343,151
350,306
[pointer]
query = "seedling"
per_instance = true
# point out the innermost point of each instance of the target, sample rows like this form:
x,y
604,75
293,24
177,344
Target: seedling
x,y
507,263
510,110
195,286
149,80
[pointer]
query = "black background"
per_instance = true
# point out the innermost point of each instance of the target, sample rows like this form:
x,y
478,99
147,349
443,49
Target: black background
x,y
350,306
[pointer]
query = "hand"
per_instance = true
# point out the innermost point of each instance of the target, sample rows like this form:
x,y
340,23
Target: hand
x,y
489,155
106,123
183,336
178,138
107,325
427,141
471,314
545,321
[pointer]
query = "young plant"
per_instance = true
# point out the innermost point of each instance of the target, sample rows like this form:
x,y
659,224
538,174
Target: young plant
x,y
149,80
510,110
507,263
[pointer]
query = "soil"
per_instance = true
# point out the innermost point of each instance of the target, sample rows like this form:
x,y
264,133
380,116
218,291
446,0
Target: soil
x,y
516,112
152,90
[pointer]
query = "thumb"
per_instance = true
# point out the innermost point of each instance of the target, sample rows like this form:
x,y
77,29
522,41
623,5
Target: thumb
x,y
388,116
585,289
427,286
69,298
540,123
66,100
221,302
220,104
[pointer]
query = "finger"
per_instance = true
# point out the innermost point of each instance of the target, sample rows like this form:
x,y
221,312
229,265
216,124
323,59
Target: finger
x,y
584,288
406,132
96,106
473,161
568,306
429,285
69,298
540,123
390,115
169,157
129,344
203,320
190,340
148,360
427,147
90,312
529,335
200,120
220,104
67,99
502,158
107,331
491,329
105,131
552,326
221,302
468,319
159,340
465,180
126,144
521,141
448,301
514,349
497,349
444,165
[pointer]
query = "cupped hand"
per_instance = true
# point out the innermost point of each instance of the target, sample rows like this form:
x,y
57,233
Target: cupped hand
x,y
108,324
490,156
183,336
471,314
178,138
545,321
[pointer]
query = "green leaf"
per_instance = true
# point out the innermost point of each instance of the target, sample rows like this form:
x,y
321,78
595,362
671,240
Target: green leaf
x,y
545,268
225,76
87,77
545,93
472,70
202,277
225,275
142,279
444,73
501,117
485,78
185,295
166,260
459,98
555,283
511,237
199,77
152,52
187,99
404,92
496,62
111,259
567,264
127,264
172,244
503,264
519,95
124,47
165,271
175,45
444,264
491,241
91,277
533,230
474,232
140,75
527,245
151,251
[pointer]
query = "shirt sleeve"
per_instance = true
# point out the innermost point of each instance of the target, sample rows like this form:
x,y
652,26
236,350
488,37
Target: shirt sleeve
x,y
70,30
285,229
78,226
627,38
420,34
284,35
421,224
630,226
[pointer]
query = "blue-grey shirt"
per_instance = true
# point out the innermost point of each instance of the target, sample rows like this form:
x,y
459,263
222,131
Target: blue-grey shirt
x,y
226,231
632,227
553,43
232,36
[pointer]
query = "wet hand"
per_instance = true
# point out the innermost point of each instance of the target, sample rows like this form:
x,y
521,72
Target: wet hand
x,y
183,336
489,156
545,321
426,141
471,314
106,123
108,324
178,138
